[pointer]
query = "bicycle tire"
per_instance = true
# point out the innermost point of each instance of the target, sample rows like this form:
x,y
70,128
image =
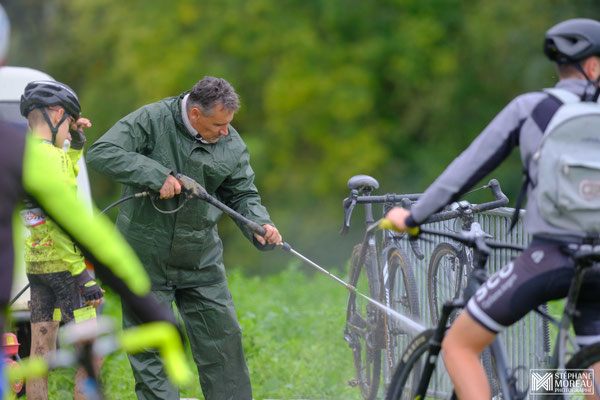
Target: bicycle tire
x,y
410,367
362,324
400,292
489,365
444,272
584,359
446,279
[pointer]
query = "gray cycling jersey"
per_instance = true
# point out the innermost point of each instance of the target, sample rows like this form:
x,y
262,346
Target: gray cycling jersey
x,y
521,123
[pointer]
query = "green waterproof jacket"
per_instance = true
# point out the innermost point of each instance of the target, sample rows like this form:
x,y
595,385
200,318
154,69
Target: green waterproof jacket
x,y
140,151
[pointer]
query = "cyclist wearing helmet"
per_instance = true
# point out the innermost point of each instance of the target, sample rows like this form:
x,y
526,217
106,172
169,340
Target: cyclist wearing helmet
x,y
61,287
27,168
542,272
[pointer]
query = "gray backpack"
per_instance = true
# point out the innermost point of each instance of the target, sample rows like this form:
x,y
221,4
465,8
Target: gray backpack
x,y
568,165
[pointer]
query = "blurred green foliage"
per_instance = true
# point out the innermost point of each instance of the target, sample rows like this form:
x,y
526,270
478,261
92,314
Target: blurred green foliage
x,y
330,88
293,329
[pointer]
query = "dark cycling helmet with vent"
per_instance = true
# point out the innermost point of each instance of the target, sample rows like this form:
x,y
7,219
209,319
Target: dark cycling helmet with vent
x,y
42,94
573,40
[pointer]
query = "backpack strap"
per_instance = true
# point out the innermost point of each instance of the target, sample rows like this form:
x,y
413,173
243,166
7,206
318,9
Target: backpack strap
x,y
541,115
563,95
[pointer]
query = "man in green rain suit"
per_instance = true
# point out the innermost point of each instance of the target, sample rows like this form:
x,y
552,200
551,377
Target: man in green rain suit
x,y
182,252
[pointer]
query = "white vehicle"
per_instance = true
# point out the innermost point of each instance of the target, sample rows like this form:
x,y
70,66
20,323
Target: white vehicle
x,y
12,84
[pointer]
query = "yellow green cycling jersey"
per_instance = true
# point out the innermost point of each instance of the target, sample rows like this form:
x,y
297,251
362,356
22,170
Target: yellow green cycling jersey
x,y
44,179
48,248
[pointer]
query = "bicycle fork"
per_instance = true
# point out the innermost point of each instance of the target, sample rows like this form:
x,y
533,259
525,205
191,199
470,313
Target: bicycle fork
x,y
435,347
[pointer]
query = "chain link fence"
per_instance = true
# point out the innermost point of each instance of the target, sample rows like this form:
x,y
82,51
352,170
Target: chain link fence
x,y
527,341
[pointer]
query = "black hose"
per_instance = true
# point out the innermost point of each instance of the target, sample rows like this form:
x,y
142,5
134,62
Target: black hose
x,y
10,303
124,199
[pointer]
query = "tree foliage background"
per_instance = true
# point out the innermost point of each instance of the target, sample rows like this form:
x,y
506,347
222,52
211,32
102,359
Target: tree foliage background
x,y
329,88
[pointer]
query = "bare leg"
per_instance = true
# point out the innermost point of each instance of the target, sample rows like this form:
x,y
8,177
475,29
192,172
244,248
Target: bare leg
x,y
43,341
80,375
461,348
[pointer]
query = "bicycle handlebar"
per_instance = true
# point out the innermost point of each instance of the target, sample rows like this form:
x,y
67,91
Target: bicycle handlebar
x,y
350,202
471,239
160,335
500,200
405,200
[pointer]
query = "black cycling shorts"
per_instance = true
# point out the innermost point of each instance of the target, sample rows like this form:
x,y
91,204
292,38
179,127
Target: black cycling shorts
x,y
54,297
543,272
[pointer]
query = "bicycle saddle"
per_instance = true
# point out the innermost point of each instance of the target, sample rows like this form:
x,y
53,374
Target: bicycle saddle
x,y
359,181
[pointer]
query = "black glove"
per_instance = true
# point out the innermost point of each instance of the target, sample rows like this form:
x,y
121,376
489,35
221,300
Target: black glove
x,y
77,139
88,287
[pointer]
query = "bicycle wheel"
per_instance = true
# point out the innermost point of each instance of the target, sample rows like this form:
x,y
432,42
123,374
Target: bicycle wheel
x,y
400,293
585,359
489,365
362,330
447,277
410,369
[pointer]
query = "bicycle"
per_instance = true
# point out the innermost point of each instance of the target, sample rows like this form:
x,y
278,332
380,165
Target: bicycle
x,y
449,264
85,341
419,374
390,279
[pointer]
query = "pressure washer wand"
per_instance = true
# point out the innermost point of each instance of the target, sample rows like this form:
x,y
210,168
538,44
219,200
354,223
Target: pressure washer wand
x,y
413,327
194,188
288,248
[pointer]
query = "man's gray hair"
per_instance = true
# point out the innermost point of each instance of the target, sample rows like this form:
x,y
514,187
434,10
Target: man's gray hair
x,y
209,92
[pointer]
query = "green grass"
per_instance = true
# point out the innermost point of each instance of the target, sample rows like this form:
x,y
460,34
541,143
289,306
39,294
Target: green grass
x,y
293,340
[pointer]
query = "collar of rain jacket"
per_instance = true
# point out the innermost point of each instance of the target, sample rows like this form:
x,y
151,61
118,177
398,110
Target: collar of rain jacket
x,y
176,108
186,120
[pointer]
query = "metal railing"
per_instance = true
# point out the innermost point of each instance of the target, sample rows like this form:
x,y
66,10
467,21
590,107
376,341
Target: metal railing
x,y
526,341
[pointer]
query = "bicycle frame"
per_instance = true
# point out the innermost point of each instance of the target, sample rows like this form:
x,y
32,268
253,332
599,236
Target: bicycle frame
x,y
85,341
477,277
373,331
465,253
504,373
361,187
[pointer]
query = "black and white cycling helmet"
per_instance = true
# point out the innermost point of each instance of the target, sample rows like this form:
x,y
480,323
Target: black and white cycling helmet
x,y
41,94
573,40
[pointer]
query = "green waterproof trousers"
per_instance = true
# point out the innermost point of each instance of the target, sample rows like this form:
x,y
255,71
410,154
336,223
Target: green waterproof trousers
x,y
215,337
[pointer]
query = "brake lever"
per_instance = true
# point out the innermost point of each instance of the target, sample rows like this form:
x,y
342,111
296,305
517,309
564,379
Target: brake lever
x,y
414,246
349,204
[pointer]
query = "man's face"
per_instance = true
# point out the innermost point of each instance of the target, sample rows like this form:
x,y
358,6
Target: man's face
x,y
211,128
63,130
